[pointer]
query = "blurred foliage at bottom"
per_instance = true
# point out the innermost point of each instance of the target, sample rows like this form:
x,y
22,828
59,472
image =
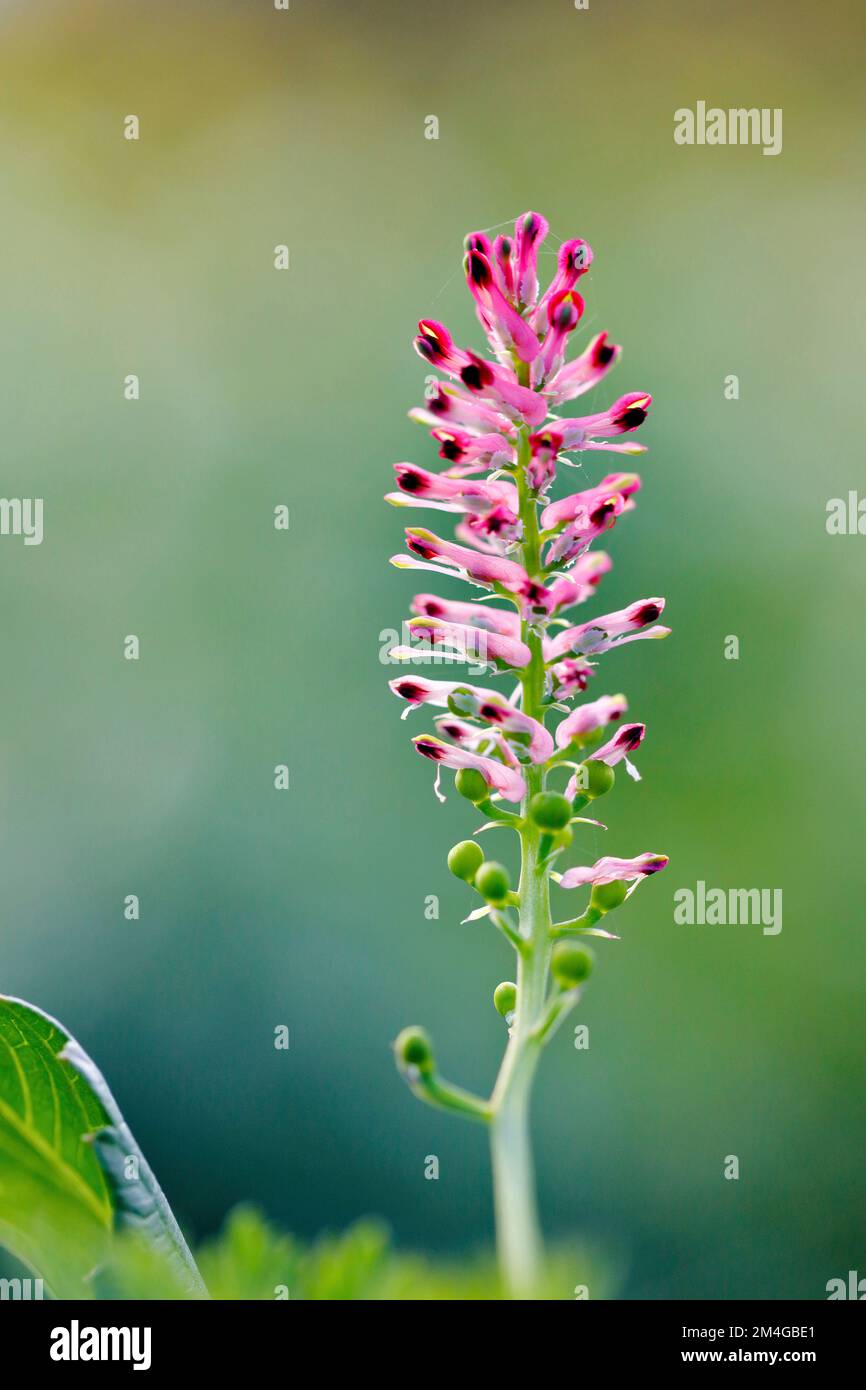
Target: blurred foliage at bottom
x,y
250,1259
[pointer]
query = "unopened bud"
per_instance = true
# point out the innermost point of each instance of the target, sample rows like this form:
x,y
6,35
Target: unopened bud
x,y
414,1050
606,896
570,964
465,859
505,998
550,811
471,784
492,882
598,778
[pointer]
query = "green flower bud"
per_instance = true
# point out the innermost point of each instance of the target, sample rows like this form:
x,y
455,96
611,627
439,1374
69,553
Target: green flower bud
x,y
413,1048
465,859
471,784
564,838
492,882
570,964
597,780
606,896
550,811
505,998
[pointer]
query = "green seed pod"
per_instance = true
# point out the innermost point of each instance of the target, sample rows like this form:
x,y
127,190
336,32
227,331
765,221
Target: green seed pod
x,y
505,998
465,859
606,896
570,964
599,778
471,784
550,811
492,882
413,1048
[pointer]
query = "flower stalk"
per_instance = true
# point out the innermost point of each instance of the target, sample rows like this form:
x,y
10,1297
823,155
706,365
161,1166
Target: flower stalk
x,y
531,553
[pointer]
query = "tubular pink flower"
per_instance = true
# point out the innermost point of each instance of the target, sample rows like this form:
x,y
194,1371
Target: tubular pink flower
x,y
583,372
489,382
624,741
599,634
473,453
466,494
624,415
488,571
583,530
499,778
529,232
564,314
610,870
500,320
503,257
586,502
581,581
474,643
573,260
449,405
529,739
569,677
475,614
492,531
589,717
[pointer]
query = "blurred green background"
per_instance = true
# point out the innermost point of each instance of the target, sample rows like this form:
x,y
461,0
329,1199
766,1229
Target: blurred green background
x,y
306,908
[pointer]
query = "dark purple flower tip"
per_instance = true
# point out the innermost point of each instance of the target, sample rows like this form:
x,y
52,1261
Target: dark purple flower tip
x,y
428,749
477,375
420,547
410,479
478,270
408,690
604,352
647,614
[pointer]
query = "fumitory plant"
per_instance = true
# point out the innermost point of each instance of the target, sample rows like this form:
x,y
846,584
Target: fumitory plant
x,y
503,449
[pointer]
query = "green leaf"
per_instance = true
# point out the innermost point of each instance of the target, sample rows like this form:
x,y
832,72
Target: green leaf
x,y
70,1170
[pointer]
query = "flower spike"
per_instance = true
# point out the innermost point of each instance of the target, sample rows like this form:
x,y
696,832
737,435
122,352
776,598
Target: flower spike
x,y
529,544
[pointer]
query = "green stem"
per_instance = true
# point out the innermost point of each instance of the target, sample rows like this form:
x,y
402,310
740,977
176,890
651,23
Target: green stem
x,y
517,1227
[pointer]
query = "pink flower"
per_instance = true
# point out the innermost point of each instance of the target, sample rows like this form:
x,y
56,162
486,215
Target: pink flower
x,y
475,644
564,313
581,581
529,232
495,384
583,372
600,634
584,503
573,260
504,327
589,717
473,453
569,677
475,614
526,735
610,870
624,415
501,779
422,488
624,741
488,571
